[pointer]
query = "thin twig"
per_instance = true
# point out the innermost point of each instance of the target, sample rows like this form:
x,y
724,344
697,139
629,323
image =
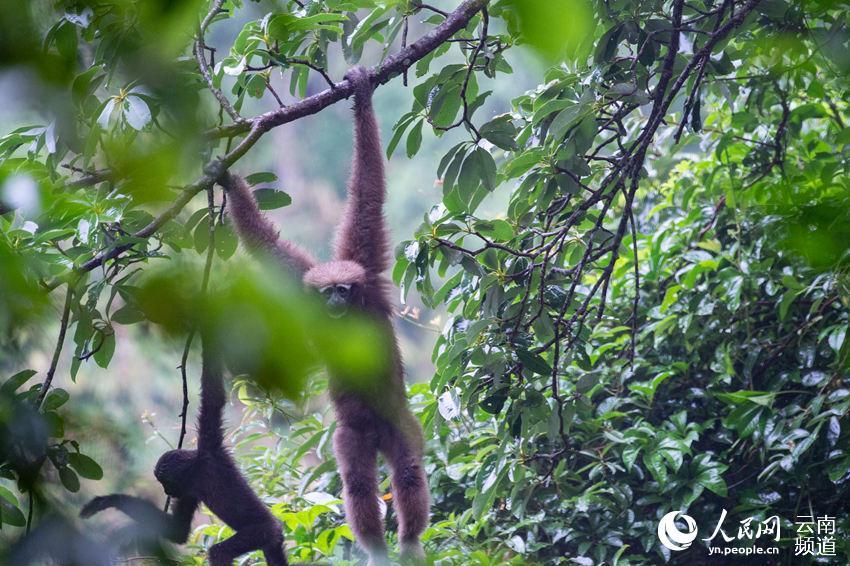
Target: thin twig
x,y
403,45
636,300
185,357
200,56
89,180
311,65
465,117
63,328
423,6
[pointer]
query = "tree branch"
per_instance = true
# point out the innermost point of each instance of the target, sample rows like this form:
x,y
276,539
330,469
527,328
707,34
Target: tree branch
x,y
392,66
200,56
63,328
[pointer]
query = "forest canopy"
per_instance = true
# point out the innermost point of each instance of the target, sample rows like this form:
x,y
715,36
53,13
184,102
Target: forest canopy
x,y
639,263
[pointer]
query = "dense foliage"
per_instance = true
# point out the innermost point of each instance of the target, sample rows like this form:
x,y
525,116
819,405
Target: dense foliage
x,y
643,259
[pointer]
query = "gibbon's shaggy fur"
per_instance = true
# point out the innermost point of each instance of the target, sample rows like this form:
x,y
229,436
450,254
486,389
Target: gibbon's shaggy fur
x,y
370,419
207,475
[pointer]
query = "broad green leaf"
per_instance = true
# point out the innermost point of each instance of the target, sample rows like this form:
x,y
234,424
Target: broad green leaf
x,y
271,199
12,384
85,466
414,138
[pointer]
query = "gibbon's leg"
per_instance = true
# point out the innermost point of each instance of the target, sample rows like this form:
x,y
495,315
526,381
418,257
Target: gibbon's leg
x,y
357,459
245,540
274,554
402,447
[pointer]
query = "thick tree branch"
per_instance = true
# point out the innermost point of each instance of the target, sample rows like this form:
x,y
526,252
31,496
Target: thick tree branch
x,y
392,66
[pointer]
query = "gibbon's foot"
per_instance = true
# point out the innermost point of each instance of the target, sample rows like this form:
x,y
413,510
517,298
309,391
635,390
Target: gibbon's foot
x,y
216,170
357,74
412,554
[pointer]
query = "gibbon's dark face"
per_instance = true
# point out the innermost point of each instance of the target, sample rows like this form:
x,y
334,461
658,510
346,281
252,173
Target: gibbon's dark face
x,y
339,283
339,297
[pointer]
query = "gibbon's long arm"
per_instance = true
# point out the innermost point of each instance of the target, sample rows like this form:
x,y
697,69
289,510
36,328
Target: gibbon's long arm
x,y
213,399
256,231
174,527
363,234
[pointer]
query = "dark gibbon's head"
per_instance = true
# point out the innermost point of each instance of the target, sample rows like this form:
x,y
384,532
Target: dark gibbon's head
x,y
340,284
175,470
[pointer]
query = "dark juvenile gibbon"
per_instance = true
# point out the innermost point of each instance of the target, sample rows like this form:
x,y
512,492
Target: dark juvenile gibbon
x,y
206,475
375,418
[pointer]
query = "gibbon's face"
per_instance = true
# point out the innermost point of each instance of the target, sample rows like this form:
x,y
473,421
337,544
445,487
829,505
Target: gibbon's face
x,y
339,283
339,297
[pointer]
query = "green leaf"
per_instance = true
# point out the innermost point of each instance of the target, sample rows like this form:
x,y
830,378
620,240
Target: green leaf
x,y
104,353
281,26
469,178
367,27
85,466
270,199
13,383
414,139
86,82
566,119
261,177
202,237
763,398
10,513
549,107
226,241
586,382
522,162
654,462
534,362
787,300
484,499
486,167
499,230
398,132
445,105
630,454
65,39
127,315
452,171
55,399
69,479
501,132
710,476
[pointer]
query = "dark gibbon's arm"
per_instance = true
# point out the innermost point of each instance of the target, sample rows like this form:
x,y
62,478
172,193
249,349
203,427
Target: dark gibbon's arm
x,y
213,399
174,527
363,234
256,231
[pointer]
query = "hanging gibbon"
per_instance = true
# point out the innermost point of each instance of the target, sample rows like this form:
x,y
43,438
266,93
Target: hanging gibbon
x,y
206,475
373,419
